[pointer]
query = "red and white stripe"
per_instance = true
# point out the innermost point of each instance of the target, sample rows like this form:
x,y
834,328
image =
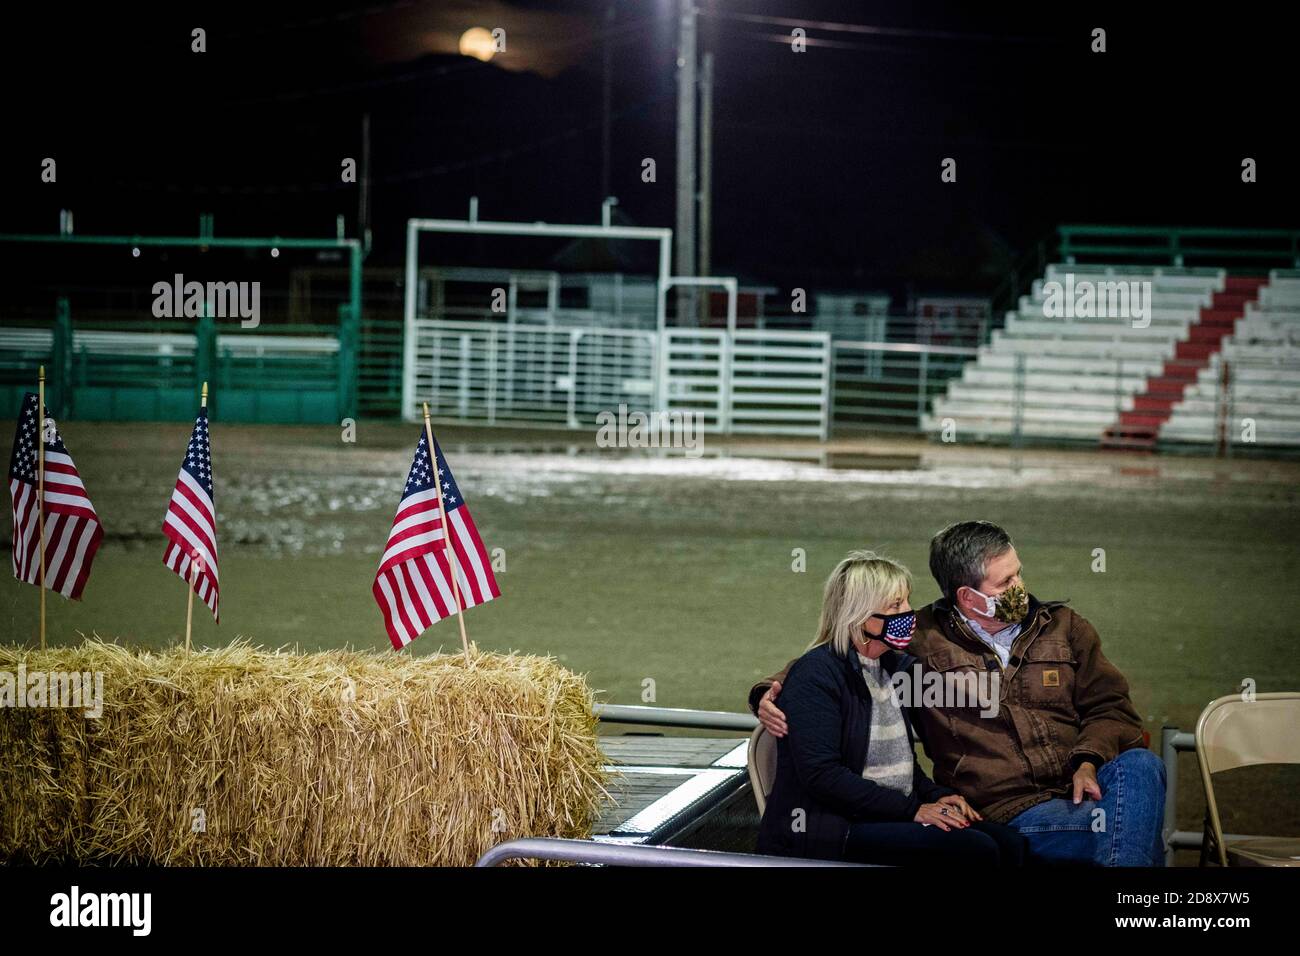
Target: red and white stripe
x,y
413,585
72,529
191,528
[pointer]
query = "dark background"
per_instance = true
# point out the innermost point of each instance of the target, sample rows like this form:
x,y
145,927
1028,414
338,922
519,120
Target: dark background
x,y
826,164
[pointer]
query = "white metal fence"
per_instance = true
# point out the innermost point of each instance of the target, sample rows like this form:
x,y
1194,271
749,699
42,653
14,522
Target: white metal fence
x,y
803,384
780,382
745,381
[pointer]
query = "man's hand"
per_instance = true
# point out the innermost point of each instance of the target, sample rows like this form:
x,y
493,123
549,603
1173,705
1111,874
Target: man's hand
x,y
959,802
1085,782
768,715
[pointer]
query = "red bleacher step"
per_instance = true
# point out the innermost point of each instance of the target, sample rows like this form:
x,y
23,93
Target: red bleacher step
x,y
1141,420
1199,332
1149,403
1189,351
1167,386
1244,284
1139,428
1230,301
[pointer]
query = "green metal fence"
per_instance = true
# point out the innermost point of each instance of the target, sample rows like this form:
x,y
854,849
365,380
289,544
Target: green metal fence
x,y
109,357
1238,250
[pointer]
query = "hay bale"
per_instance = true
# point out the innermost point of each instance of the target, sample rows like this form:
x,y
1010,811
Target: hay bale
x,y
246,757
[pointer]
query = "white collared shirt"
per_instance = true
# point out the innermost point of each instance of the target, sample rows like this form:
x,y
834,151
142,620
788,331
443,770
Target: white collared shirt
x,y
1000,643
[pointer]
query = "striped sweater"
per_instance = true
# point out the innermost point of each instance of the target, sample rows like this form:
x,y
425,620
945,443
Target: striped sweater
x,y
890,759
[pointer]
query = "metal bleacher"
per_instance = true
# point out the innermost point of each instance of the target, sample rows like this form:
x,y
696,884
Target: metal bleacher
x,y
1262,358
1070,378
1194,373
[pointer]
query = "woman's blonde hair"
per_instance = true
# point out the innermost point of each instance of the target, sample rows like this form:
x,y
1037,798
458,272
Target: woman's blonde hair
x,y
864,583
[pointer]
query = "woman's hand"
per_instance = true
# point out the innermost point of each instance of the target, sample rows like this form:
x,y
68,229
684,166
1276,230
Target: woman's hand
x,y
942,816
959,802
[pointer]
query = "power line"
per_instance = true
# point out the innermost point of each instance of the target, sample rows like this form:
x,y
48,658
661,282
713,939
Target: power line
x,y
784,39
831,26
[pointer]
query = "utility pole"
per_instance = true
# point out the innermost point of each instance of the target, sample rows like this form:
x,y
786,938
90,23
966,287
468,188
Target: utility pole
x,y
606,98
685,232
363,194
706,176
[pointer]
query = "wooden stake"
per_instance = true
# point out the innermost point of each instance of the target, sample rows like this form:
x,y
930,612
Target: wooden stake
x,y
446,530
40,492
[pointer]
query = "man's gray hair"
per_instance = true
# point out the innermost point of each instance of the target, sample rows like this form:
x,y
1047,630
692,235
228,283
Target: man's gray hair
x,y
960,553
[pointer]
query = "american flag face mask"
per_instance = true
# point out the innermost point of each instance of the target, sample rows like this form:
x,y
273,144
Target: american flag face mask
x,y
897,631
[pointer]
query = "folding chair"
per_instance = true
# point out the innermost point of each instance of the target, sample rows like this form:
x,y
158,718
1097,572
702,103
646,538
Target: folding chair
x,y
761,761
1233,732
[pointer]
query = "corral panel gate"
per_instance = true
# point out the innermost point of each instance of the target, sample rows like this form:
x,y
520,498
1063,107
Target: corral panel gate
x,y
744,382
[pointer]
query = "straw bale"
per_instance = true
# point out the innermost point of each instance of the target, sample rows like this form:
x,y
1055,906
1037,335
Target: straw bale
x,y
249,757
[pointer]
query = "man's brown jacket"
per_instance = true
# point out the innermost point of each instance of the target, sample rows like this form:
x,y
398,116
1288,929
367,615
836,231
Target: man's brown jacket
x,y
1060,702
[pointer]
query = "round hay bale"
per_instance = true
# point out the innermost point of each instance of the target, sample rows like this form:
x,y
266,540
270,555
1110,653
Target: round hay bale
x,y
245,757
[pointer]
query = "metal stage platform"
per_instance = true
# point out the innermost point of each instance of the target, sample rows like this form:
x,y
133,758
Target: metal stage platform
x,y
678,790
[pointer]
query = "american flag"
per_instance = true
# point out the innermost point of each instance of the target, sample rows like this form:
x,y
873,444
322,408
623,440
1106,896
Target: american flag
x,y
72,529
191,520
413,584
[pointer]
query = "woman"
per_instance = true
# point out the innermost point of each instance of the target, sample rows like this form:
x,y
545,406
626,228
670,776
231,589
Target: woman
x,y
848,786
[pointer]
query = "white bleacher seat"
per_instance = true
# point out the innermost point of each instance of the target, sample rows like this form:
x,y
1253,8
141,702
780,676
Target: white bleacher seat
x,y
1264,385
1080,374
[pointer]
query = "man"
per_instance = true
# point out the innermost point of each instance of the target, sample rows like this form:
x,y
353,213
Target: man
x,y
1061,757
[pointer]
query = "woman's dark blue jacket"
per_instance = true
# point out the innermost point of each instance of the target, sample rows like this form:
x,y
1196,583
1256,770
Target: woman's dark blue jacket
x,y
819,761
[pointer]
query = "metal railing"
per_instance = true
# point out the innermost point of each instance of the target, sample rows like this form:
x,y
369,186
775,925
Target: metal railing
x,y
626,854
676,717
1181,246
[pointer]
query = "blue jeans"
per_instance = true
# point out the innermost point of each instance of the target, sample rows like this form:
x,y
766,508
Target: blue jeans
x,y
1128,831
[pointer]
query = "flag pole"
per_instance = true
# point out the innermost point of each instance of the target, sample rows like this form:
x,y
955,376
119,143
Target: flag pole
x,y
189,601
40,492
446,530
189,609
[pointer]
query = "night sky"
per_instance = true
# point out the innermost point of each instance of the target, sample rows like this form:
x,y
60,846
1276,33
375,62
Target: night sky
x,y
826,165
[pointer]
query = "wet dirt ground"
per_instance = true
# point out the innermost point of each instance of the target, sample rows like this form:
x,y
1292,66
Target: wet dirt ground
x,y
648,569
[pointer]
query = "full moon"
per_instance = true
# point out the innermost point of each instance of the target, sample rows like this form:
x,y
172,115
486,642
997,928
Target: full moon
x,y
477,42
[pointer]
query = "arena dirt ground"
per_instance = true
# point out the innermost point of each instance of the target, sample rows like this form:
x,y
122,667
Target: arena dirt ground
x,y
649,570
